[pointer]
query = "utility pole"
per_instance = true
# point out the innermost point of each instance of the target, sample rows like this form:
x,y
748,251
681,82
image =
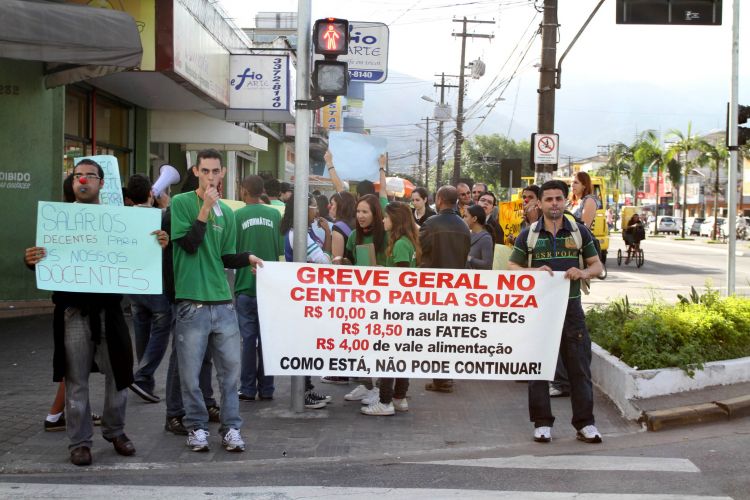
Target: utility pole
x,y
733,151
461,89
440,159
419,162
426,150
547,73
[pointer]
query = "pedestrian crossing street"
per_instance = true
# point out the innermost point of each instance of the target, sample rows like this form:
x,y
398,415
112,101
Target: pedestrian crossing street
x,y
685,469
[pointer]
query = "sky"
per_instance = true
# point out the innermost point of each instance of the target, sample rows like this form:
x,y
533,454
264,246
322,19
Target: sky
x,y
617,80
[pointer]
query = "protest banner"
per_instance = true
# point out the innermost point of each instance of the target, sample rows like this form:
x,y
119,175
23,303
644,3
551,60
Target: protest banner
x,y
511,216
410,323
111,191
98,248
356,155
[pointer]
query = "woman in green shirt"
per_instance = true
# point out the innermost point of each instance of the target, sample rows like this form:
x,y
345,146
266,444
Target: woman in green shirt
x,y
402,251
368,229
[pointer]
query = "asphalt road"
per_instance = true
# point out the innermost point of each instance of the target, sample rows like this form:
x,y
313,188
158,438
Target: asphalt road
x,y
670,267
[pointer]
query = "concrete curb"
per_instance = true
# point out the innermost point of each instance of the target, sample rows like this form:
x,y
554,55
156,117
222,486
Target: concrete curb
x,y
727,409
625,385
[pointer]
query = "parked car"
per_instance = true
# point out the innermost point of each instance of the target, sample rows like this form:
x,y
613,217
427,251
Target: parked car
x,y
693,225
668,224
707,228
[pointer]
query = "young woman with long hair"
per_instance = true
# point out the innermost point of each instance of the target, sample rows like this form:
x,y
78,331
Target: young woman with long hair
x,y
403,250
422,210
342,209
583,203
368,229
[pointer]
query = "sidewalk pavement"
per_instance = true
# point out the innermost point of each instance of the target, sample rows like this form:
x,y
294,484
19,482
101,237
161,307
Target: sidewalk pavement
x,y
478,416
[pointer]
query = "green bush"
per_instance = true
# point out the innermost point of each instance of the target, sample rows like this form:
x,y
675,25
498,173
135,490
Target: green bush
x,y
696,330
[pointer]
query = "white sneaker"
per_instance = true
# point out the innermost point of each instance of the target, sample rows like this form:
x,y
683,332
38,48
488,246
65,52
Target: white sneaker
x,y
232,441
400,404
372,397
197,440
378,409
358,393
543,434
589,434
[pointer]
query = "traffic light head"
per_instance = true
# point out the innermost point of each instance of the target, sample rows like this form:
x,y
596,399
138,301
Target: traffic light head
x,y
331,37
743,133
330,78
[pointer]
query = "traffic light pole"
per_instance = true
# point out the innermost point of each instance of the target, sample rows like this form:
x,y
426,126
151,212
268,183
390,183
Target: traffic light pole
x,y
303,124
733,150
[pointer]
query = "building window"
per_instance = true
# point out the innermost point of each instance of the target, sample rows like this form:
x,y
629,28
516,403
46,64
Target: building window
x,y
110,126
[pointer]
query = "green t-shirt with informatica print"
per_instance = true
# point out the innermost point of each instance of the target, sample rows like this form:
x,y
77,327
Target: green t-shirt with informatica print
x,y
403,251
257,233
200,277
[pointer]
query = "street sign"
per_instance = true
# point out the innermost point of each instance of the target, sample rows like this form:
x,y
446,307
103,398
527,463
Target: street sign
x,y
510,172
546,150
368,52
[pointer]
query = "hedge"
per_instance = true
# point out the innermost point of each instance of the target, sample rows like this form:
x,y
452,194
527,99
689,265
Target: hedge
x,y
696,330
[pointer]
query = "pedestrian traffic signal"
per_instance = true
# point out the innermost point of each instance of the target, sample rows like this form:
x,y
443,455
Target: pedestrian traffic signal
x,y
743,133
330,77
331,37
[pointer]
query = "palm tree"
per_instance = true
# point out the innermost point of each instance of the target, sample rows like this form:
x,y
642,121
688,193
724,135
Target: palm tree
x,y
685,144
717,153
619,163
648,152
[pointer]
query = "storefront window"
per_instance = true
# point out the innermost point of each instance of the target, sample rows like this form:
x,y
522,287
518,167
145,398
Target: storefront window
x,y
111,126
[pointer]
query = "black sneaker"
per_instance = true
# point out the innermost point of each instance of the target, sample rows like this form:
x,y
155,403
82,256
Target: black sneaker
x,y
319,397
214,414
144,394
265,398
55,426
174,425
312,403
245,397
96,419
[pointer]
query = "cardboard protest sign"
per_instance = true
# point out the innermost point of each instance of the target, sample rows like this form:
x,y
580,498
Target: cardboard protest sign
x,y
98,248
511,216
356,155
411,323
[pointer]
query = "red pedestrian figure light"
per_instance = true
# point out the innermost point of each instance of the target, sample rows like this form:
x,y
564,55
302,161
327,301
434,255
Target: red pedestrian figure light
x,y
331,37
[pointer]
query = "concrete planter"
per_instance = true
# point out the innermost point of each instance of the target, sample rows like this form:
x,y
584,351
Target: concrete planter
x,y
623,383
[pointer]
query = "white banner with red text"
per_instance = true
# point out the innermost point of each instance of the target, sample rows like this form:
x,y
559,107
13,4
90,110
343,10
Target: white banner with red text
x,y
410,323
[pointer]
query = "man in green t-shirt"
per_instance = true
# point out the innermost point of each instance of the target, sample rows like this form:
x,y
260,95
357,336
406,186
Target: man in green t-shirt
x,y
203,232
556,250
258,233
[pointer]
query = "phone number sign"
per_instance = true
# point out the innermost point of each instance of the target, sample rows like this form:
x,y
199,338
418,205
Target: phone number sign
x,y
368,52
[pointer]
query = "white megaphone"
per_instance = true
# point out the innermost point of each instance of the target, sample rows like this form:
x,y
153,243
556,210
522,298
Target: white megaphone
x,y
168,175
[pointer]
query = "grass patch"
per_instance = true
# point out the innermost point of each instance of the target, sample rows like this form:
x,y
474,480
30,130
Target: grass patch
x,y
684,239
716,242
696,330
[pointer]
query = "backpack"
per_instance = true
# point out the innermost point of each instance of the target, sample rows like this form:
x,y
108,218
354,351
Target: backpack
x,y
533,236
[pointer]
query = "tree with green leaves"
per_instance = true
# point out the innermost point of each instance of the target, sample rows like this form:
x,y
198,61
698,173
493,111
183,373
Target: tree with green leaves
x,y
683,147
482,155
717,154
648,152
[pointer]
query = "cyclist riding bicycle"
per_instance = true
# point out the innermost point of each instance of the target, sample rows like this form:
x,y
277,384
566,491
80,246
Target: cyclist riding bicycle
x,y
633,234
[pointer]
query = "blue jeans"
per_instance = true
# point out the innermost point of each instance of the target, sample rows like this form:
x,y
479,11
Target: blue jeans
x,y
252,379
575,352
174,388
152,323
202,327
80,352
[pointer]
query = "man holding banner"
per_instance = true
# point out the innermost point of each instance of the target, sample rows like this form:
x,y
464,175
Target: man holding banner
x,y
88,328
204,235
556,249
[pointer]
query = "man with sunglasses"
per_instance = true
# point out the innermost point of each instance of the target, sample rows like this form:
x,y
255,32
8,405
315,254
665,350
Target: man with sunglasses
x,y
477,190
464,198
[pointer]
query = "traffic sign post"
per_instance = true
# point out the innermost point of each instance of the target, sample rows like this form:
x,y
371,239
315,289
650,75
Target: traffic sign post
x,y
368,52
546,148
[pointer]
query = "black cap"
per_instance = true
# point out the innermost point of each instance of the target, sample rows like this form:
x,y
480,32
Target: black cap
x,y
285,186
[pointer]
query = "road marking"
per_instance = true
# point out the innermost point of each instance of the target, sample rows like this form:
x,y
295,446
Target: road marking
x,y
114,492
578,462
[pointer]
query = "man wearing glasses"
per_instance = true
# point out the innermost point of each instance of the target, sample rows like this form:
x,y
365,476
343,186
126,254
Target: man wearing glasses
x,y
88,328
464,198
